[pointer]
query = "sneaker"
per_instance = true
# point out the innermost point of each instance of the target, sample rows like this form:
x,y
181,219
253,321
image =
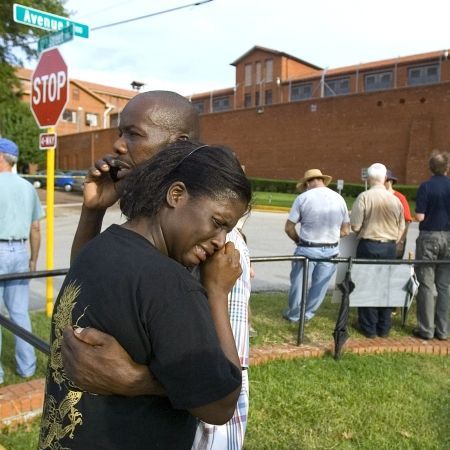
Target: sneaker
x,y
252,332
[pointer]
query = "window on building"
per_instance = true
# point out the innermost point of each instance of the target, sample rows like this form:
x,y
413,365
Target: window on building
x,y
221,104
269,70
92,119
75,94
257,99
378,81
337,86
248,74
258,72
199,106
423,74
268,97
114,120
248,100
301,91
69,116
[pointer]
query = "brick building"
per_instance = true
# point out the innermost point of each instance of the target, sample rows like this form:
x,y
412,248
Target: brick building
x,y
285,115
90,106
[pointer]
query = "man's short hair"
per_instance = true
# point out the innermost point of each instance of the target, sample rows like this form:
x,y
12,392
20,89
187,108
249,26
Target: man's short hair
x,y
377,171
438,162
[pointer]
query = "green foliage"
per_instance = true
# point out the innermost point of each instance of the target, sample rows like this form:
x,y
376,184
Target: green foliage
x,y
15,36
17,123
350,189
16,42
267,185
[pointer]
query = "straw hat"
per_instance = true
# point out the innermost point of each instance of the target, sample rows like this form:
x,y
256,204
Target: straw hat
x,y
313,173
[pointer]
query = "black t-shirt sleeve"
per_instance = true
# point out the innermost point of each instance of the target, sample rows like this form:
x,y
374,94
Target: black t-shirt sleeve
x,y
186,355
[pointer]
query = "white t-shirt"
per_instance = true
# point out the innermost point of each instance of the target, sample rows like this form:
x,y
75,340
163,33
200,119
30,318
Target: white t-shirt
x,y
320,212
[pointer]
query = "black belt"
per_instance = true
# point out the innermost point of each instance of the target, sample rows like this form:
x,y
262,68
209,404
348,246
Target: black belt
x,y
378,241
22,241
303,243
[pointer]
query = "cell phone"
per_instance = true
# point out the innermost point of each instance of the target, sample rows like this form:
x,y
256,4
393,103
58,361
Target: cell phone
x,y
113,172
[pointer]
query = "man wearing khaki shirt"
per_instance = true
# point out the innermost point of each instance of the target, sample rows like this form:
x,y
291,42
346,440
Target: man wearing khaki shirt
x,y
377,217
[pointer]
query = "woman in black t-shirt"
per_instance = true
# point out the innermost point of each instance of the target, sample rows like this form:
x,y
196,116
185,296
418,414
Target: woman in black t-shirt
x,y
133,282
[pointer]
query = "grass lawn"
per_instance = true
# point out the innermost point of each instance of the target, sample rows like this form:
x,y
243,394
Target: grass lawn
x,y
387,401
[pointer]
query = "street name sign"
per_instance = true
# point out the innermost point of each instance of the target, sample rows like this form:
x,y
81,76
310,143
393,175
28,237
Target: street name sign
x,y
47,140
55,39
49,88
47,21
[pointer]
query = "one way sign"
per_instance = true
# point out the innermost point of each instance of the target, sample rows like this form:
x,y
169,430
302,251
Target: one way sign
x,y
47,140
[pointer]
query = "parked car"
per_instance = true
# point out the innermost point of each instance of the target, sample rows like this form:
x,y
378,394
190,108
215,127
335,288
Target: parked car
x,y
63,180
78,179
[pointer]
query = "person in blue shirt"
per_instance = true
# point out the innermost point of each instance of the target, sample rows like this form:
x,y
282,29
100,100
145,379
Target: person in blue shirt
x,y
433,243
19,222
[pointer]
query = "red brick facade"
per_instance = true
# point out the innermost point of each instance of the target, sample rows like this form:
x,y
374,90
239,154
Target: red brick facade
x,y
310,123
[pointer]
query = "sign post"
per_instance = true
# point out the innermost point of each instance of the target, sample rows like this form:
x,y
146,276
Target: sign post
x,y
364,176
340,185
49,95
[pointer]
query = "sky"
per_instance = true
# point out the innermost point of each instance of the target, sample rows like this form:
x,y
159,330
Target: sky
x,y
190,50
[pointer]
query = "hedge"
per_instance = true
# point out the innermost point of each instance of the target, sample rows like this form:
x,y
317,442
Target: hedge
x,y
350,189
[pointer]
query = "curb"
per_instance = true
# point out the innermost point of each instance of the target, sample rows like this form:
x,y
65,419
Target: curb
x,y
22,402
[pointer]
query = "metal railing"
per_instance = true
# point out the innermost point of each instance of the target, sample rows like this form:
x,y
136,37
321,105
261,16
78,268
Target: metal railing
x,y
44,346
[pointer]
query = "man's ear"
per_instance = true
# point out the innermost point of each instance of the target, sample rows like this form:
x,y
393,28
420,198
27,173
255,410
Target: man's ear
x,y
176,194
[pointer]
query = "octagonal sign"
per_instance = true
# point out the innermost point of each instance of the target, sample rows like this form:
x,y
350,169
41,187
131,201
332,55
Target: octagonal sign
x,y
49,88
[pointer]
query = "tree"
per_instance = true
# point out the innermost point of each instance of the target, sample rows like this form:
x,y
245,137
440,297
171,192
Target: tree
x,y
16,43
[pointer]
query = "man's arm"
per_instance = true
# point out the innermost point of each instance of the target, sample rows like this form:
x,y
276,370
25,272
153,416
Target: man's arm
x,y
89,226
99,193
290,230
35,243
420,217
97,363
345,229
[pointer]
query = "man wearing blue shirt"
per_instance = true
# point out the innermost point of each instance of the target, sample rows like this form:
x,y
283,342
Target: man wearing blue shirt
x,y
19,221
433,243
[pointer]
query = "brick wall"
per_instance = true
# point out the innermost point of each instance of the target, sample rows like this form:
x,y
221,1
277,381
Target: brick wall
x,y
339,135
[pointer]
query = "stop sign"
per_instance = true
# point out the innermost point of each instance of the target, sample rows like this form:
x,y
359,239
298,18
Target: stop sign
x,y
49,88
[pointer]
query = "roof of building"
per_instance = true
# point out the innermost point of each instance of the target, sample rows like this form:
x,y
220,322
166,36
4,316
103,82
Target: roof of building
x,y
214,93
374,65
275,52
95,88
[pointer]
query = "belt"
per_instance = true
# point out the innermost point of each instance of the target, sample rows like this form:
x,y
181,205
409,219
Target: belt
x,y
22,241
379,241
303,243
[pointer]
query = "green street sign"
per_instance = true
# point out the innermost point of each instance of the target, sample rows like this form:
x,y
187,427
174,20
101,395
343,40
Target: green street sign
x,y
55,39
47,21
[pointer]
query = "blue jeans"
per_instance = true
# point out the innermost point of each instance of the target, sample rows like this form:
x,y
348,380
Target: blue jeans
x,y
14,258
320,274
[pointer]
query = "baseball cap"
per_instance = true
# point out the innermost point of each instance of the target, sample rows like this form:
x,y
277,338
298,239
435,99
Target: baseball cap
x,y
7,146
390,176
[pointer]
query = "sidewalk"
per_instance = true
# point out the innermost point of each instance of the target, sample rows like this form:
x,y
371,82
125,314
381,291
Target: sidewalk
x,y
22,402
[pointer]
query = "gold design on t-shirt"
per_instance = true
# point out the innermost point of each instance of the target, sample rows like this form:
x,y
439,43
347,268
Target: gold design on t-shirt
x,y
60,419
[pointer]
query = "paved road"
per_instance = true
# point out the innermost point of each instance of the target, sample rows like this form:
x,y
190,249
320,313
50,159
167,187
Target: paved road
x,y
264,231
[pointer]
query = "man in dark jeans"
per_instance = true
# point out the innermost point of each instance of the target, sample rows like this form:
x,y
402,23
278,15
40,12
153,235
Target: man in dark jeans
x,y
433,243
377,218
